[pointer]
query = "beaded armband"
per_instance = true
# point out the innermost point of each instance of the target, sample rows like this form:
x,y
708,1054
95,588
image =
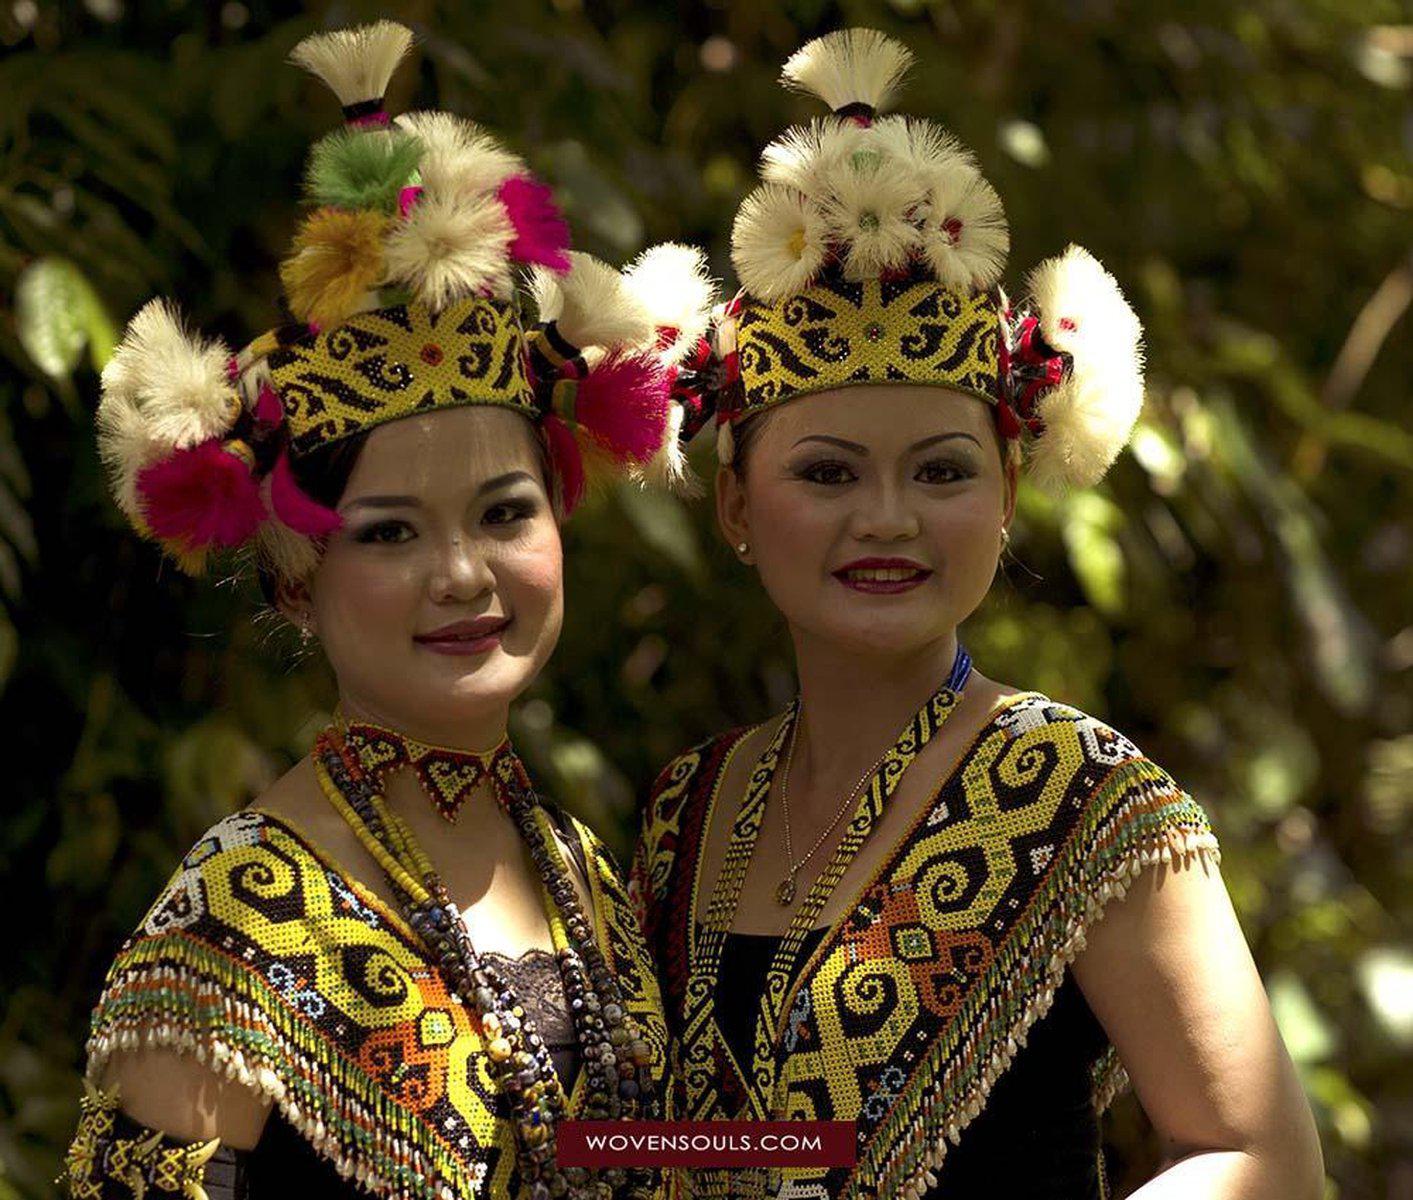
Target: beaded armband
x,y
113,1157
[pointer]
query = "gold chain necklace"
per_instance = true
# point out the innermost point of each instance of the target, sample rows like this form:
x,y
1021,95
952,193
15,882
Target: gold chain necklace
x,y
785,892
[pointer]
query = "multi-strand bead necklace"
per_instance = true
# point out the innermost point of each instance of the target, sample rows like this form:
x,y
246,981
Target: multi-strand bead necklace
x,y
617,1059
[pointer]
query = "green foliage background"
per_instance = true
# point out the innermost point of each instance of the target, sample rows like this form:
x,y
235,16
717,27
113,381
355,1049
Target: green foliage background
x,y
1235,597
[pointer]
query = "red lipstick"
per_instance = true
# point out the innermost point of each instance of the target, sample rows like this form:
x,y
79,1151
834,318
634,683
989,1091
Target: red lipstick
x,y
465,637
883,576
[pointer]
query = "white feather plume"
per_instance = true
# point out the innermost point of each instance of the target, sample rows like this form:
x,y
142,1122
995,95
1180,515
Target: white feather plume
x,y
964,235
849,66
778,243
591,305
452,247
459,158
923,147
357,63
672,282
1089,417
164,389
801,156
668,468
869,214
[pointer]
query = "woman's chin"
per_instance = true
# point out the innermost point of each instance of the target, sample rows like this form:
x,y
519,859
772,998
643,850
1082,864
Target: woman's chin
x,y
893,635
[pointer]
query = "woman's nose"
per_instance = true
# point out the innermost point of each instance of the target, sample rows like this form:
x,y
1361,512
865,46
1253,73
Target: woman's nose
x,y
461,571
884,514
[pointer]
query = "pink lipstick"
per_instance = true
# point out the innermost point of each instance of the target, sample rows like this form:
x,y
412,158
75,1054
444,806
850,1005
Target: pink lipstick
x,y
465,637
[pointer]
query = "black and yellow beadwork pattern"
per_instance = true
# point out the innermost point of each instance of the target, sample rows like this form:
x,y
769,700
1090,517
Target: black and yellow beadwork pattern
x,y
287,975
112,1158
838,334
912,1005
393,362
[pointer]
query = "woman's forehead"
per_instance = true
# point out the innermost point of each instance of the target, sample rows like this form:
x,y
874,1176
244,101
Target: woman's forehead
x,y
458,447
881,415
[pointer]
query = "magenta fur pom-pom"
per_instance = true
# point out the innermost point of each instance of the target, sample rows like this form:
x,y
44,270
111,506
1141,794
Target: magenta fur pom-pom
x,y
565,459
201,497
541,232
294,508
624,403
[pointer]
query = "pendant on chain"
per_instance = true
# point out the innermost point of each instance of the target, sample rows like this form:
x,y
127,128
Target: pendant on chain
x,y
785,893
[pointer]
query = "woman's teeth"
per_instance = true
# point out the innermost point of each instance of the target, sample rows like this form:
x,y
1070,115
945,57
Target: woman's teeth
x,y
882,575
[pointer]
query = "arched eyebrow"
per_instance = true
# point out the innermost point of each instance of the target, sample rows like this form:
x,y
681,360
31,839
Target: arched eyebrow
x,y
844,444
490,485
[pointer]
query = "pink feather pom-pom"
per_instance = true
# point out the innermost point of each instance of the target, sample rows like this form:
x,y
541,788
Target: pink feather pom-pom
x,y
541,232
200,497
565,460
295,509
625,403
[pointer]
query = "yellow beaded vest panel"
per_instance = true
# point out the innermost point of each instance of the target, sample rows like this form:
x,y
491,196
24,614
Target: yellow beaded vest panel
x,y
268,963
914,1003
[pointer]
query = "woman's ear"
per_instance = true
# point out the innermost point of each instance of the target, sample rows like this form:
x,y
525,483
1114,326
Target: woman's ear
x,y
731,512
295,603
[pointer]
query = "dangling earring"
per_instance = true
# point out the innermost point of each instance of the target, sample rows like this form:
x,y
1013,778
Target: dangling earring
x,y
306,635
1005,537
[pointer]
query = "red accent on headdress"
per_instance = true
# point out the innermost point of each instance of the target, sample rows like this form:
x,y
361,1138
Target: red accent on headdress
x,y
624,404
541,232
1028,368
268,409
565,460
200,497
293,508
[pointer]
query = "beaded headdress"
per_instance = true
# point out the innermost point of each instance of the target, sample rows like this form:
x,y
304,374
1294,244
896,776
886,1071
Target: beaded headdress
x,y
407,282
871,254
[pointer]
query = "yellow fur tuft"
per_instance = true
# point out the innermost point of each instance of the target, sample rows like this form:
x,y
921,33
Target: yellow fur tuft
x,y
337,260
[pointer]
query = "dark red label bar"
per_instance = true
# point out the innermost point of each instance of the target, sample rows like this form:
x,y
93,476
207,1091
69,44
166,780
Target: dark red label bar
x,y
706,1143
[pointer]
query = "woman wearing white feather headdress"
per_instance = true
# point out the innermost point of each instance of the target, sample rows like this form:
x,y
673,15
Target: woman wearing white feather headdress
x,y
398,970
884,906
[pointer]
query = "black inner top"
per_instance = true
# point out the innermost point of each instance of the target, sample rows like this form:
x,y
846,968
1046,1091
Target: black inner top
x,y
1037,1138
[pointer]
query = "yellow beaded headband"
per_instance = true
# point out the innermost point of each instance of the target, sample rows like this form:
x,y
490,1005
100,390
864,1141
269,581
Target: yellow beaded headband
x,y
871,254
403,282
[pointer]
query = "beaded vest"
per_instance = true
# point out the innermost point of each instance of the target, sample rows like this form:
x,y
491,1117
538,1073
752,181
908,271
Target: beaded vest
x,y
265,960
915,1001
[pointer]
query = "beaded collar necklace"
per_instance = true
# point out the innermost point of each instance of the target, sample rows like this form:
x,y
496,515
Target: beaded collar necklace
x,y
447,776
616,1058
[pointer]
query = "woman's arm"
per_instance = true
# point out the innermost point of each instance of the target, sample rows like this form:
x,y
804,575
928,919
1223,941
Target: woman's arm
x,y
186,1099
1169,975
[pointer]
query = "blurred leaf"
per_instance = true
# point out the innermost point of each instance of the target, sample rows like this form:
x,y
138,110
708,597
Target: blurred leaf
x,y
57,314
662,522
1386,975
1305,1029
1090,525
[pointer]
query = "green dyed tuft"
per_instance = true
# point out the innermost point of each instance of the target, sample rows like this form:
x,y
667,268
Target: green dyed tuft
x,y
361,169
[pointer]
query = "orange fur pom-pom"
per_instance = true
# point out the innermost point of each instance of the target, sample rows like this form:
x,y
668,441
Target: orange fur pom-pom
x,y
337,261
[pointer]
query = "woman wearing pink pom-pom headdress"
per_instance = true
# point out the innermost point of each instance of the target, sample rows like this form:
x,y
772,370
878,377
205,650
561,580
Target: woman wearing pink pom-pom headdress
x,y
398,970
957,914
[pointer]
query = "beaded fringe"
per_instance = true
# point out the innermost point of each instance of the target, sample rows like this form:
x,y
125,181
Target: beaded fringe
x,y
169,992
909,1155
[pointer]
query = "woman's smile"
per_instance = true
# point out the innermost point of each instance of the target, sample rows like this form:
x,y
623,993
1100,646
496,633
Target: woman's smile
x,y
475,636
883,576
